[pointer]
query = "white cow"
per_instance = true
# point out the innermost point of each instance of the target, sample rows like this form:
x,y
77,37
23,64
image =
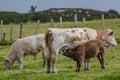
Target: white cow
x,y
30,45
57,38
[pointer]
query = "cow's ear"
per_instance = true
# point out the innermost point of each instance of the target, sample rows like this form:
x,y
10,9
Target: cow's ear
x,y
7,60
109,32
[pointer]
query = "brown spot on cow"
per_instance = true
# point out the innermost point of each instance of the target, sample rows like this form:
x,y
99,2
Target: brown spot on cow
x,y
100,33
73,31
76,39
85,30
88,38
81,33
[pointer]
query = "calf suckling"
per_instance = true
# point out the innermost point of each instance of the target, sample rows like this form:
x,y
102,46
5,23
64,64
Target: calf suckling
x,y
56,38
83,53
30,45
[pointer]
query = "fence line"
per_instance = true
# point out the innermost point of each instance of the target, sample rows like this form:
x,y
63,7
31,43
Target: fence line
x,y
3,34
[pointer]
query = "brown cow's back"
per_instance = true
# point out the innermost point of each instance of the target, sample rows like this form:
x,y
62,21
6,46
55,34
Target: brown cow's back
x,y
92,47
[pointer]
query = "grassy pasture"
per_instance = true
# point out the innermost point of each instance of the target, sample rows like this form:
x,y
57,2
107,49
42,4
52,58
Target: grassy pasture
x,y
66,67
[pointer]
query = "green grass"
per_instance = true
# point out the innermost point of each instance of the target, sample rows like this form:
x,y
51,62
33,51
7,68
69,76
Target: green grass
x,y
66,67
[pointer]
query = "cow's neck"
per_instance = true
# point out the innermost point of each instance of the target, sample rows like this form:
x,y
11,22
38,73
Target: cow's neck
x,y
100,33
11,57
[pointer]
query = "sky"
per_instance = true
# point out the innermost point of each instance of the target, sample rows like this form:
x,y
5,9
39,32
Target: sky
x,y
23,6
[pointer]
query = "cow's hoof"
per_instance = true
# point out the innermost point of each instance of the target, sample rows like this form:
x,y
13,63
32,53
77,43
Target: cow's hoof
x,y
86,69
103,67
48,71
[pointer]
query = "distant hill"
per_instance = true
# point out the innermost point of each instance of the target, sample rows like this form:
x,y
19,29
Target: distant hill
x,y
67,14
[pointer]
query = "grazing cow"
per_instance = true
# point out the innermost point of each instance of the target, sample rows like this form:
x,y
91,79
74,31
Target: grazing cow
x,y
57,38
84,52
30,45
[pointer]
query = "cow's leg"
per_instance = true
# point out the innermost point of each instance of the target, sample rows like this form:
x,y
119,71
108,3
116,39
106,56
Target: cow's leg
x,y
54,58
34,56
79,64
87,64
48,57
101,60
20,67
43,57
20,61
48,64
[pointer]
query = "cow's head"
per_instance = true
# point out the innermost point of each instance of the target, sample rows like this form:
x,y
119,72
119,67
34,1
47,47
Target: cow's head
x,y
7,63
65,50
109,39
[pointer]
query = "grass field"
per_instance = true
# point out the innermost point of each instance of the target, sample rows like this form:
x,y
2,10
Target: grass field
x,y
66,67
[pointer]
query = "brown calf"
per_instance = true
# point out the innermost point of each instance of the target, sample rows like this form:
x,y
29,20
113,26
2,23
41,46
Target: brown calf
x,y
84,52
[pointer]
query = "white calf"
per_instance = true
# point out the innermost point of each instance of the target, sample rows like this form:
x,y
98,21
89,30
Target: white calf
x,y
30,45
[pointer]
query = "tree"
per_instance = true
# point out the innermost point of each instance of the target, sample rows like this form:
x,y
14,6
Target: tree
x,y
113,13
32,12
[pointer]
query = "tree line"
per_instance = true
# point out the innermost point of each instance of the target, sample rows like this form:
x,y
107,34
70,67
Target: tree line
x,y
67,14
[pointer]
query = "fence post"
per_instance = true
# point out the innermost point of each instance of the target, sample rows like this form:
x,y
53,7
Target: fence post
x,y
1,30
37,26
52,24
84,24
60,22
3,37
75,19
1,23
10,31
21,27
103,24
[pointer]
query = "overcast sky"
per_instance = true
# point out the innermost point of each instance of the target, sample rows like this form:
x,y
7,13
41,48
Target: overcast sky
x,y
23,6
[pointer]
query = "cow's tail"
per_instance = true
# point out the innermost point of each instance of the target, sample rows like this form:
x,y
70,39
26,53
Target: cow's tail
x,y
47,42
